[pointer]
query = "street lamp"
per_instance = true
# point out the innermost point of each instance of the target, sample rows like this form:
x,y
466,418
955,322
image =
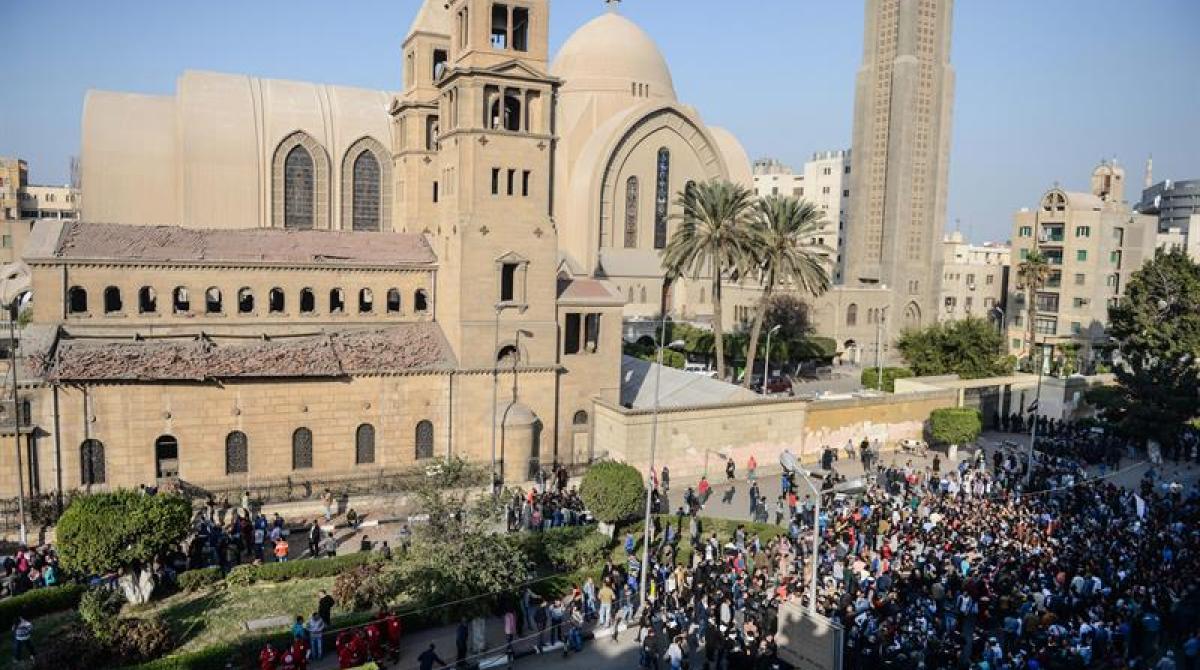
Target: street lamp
x,y
767,361
653,445
812,600
879,347
500,307
13,307
1037,398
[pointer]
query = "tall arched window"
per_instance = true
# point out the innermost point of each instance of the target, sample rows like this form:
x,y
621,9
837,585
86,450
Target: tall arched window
x,y
366,301
308,301
180,301
245,300
364,444
302,449
642,295
631,212
276,301
852,315
91,461
237,456
337,301
77,300
147,300
393,301
424,440
420,301
299,189
368,192
112,300
166,457
212,300
662,197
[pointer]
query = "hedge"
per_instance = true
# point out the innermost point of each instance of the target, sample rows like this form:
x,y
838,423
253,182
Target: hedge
x,y
870,378
613,492
813,348
308,568
955,425
38,602
194,580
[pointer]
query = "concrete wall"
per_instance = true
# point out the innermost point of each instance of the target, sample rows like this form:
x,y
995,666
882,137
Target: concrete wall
x,y
762,428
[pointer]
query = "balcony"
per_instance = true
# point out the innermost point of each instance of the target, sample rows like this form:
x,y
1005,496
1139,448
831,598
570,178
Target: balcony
x,y
1051,235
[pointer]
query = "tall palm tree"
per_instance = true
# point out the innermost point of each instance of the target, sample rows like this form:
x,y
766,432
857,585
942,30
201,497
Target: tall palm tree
x,y
712,236
1032,274
784,254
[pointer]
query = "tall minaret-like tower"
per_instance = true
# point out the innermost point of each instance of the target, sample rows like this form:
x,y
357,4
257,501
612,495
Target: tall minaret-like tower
x,y
901,153
1149,171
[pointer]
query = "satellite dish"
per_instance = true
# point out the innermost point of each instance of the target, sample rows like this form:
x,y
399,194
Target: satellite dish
x,y
787,460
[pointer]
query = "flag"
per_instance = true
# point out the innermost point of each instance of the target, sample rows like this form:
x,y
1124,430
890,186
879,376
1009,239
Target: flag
x,y
1032,407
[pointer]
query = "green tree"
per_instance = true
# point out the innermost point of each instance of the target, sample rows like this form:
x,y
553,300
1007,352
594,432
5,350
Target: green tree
x,y
970,348
783,254
712,237
955,425
1032,274
121,531
1157,326
613,492
870,378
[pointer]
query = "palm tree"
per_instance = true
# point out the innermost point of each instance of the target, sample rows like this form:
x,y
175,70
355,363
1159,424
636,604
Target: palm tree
x,y
784,254
1032,274
712,236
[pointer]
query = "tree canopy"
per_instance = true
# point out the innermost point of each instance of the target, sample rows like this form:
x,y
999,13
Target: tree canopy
x,y
103,532
613,492
955,425
971,348
1157,328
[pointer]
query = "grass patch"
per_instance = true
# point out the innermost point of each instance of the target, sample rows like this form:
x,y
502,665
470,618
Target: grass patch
x,y
45,630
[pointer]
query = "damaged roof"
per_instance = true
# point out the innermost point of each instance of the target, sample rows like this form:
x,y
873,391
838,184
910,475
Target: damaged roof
x,y
120,242
401,348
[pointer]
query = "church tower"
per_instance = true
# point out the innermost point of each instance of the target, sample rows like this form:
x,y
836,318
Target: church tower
x,y
494,234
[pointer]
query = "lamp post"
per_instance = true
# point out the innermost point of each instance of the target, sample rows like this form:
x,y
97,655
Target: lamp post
x,y
500,307
816,544
12,359
767,360
653,445
879,347
1037,398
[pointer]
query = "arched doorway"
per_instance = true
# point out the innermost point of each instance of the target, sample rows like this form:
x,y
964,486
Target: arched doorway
x,y
166,457
912,316
850,351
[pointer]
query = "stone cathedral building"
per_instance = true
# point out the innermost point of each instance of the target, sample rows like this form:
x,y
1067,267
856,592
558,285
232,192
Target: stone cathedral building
x,y
279,279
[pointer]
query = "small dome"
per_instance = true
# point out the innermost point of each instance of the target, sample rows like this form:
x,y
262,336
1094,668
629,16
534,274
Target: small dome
x,y
609,53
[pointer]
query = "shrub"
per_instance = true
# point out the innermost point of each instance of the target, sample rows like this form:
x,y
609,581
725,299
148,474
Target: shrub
x,y
194,580
244,575
102,532
613,492
570,547
142,640
99,608
74,648
38,602
364,586
870,378
955,425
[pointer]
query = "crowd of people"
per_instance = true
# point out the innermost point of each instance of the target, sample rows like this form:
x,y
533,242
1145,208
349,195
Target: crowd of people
x,y
29,568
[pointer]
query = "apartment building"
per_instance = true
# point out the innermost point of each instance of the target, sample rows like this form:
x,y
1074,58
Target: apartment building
x,y
975,279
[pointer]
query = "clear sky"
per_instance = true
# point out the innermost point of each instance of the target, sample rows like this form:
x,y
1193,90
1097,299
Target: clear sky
x,y
1046,88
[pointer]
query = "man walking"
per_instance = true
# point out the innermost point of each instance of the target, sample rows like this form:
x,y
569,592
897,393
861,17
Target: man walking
x,y
314,539
666,479
22,634
429,657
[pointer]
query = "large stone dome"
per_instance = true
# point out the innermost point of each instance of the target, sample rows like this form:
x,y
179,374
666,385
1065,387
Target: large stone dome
x,y
609,54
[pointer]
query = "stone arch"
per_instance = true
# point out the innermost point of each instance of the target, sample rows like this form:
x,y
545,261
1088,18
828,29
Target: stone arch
x,y
912,316
237,454
353,191
302,449
321,169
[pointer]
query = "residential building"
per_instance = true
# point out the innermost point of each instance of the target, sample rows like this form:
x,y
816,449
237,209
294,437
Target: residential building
x,y
49,202
1093,241
1177,206
901,153
22,203
825,182
974,279
14,173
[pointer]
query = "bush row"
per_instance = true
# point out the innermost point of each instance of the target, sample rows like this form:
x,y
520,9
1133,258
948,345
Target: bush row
x,y
303,569
38,602
194,580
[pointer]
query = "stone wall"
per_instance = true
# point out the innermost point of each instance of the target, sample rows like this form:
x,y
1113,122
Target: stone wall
x,y
762,428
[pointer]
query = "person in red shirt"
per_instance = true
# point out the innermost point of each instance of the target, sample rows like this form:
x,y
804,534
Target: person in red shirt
x,y
288,661
703,488
345,650
393,628
375,640
268,658
300,651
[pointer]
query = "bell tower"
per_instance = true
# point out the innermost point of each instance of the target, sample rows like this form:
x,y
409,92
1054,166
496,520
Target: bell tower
x,y
495,237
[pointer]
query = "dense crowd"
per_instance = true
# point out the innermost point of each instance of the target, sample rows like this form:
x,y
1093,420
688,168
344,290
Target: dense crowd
x,y
29,568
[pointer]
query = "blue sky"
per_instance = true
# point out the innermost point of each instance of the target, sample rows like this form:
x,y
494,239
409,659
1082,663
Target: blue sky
x,y
1045,88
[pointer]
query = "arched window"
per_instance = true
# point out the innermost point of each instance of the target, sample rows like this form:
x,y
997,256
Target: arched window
x,y
212,300
91,461
112,300
77,300
237,457
366,301
631,212
367,195
364,444
299,189
180,301
337,301
642,295
662,197
580,418
912,316
166,457
147,300
506,111
630,295
245,300
507,355
302,449
420,302
275,301
393,301
424,440
852,315
308,301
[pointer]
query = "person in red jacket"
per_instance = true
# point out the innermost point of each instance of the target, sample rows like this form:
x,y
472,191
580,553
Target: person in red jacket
x,y
374,634
345,650
300,651
288,661
392,628
268,658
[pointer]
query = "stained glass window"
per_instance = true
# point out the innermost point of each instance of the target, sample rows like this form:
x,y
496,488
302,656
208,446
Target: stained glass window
x,y
364,444
662,198
91,457
237,459
366,192
299,181
424,440
302,449
631,212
